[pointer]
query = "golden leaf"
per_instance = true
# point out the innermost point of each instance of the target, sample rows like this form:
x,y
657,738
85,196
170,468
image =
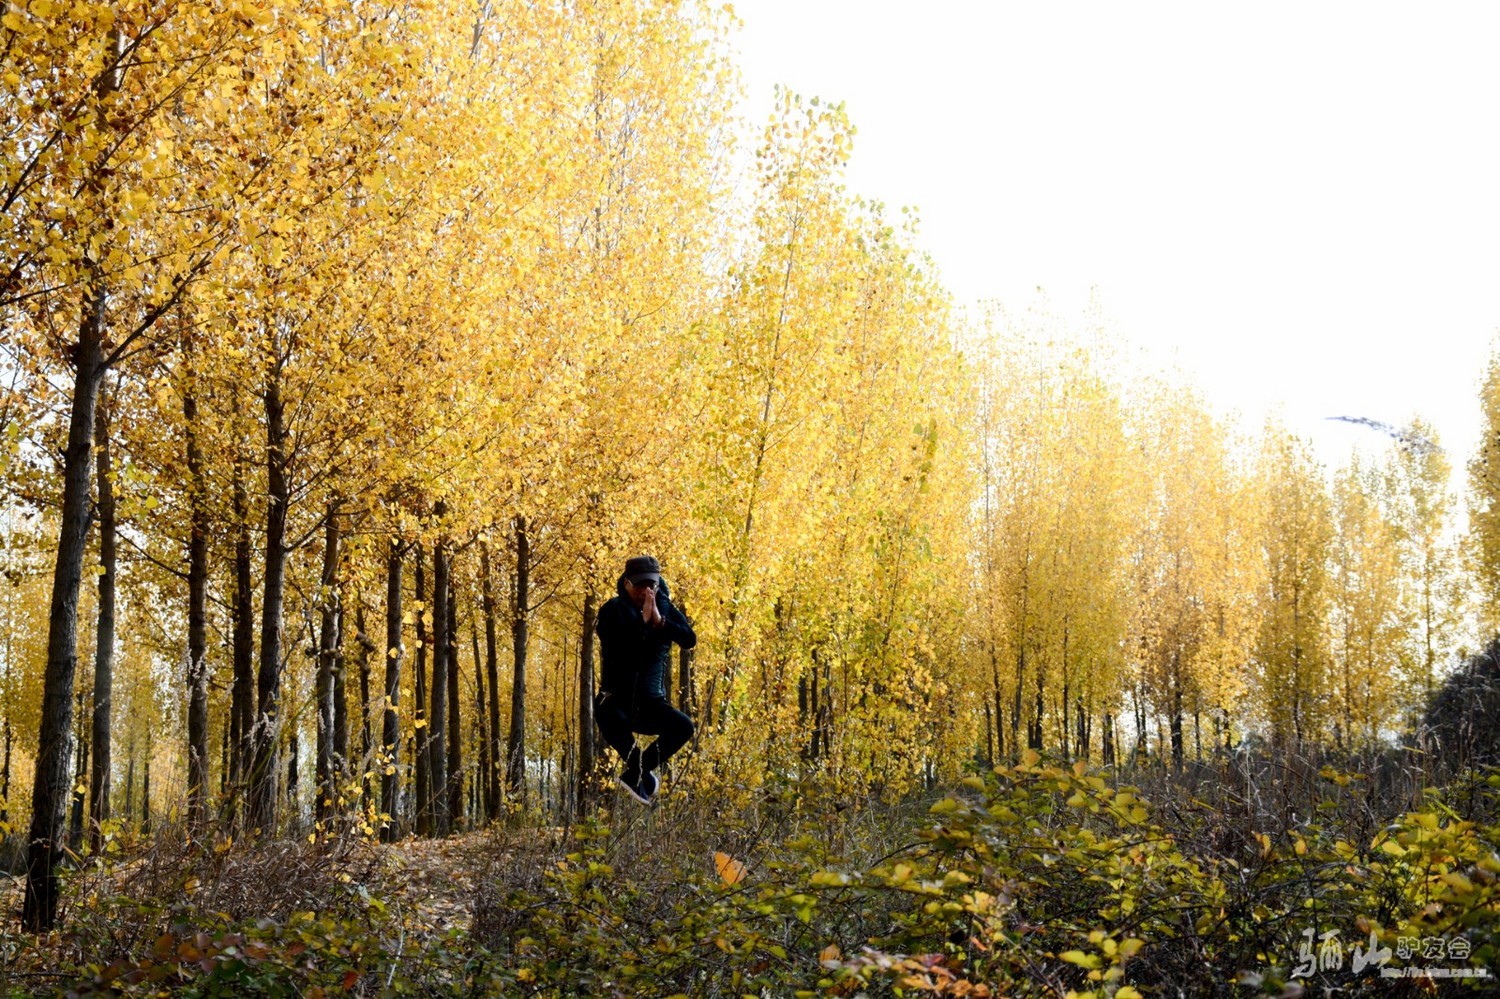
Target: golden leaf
x,y
731,870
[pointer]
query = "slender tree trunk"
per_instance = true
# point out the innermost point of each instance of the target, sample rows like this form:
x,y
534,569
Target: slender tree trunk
x,y
326,764
5,774
80,773
492,671
340,696
294,756
146,793
484,790
263,796
455,730
814,744
1177,712
999,705
437,716
1067,715
586,704
104,646
130,783
423,608
50,785
197,666
242,709
362,638
684,677
390,725
1015,711
515,754
989,736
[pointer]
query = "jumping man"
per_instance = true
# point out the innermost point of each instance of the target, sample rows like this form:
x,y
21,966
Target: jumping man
x,y
636,631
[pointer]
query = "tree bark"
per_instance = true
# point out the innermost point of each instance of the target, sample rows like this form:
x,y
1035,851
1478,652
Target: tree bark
x,y
50,785
197,666
362,637
242,707
424,825
5,774
586,704
104,646
437,768
80,771
492,671
455,732
263,796
390,726
146,793
340,694
484,789
130,782
515,756
326,756
293,756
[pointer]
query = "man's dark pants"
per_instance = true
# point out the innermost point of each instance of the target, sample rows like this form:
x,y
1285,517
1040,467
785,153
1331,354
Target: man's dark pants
x,y
654,716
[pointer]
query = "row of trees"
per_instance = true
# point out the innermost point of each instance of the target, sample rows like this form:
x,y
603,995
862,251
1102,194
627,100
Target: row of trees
x,y
1140,556
349,352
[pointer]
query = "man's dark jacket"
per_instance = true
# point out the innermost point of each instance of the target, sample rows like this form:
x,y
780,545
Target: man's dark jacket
x,y
633,656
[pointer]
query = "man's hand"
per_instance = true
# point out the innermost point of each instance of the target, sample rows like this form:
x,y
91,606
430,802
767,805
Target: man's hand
x,y
650,613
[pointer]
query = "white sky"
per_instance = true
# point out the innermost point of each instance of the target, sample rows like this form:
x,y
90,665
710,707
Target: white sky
x,y
1297,203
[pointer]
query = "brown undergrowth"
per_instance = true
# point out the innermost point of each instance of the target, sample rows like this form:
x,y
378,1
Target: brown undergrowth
x,y
1034,879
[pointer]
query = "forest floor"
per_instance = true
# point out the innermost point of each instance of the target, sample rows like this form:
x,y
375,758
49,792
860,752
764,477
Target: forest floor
x,y
1036,879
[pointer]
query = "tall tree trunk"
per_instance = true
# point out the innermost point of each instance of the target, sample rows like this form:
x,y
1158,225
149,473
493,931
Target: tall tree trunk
x,y
146,793
423,609
1015,709
987,758
1177,712
455,732
515,751
390,724
5,774
340,695
685,674
130,782
104,646
813,742
492,671
328,602
484,789
1067,723
437,763
999,705
80,772
586,704
242,708
263,796
49,797
294,756
197,666
365,645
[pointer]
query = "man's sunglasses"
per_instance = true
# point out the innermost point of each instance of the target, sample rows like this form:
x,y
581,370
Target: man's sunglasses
x,y
644,584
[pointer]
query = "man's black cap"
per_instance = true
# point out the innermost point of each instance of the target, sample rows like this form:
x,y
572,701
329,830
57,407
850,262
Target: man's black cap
x,y
641,566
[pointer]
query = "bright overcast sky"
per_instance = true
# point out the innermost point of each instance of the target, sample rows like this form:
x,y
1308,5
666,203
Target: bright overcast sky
x,y
1298,204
